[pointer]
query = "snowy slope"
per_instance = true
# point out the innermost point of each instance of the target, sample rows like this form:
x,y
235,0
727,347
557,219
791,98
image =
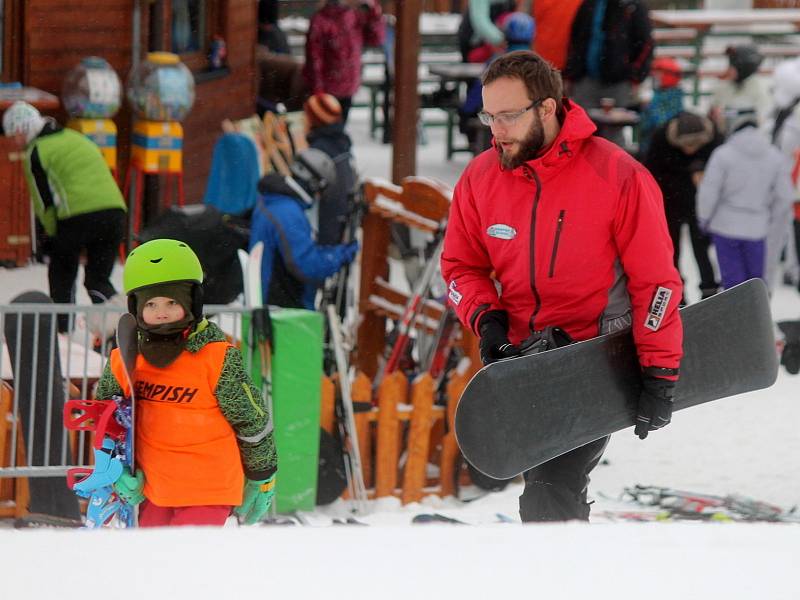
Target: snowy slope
x,y
424,562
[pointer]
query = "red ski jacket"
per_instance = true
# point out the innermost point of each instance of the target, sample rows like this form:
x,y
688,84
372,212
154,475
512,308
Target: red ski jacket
x,y
575,238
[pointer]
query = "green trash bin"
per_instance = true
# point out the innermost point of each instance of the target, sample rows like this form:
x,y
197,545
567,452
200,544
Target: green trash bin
x,y
296,388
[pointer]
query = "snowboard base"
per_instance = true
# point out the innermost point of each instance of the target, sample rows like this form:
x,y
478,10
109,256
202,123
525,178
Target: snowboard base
x,y
521,412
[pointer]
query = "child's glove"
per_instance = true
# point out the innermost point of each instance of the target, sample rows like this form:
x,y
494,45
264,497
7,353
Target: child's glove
x,y
257,499
129,487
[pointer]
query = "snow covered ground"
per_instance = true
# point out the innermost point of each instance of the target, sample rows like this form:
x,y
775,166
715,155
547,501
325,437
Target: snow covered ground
x,y
745,445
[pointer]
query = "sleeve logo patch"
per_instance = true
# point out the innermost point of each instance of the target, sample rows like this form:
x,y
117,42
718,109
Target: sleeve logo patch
x,y
658,308
454,295
501,232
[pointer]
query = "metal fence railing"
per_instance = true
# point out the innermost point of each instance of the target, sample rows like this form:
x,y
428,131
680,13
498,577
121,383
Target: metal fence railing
x,y
40,367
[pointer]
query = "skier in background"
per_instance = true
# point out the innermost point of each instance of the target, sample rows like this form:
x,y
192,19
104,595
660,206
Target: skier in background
x,y
77,202
740,88
598,259
667,100
677,157
479,27
337,33
326,133
294,266
745,192
610,51
204,441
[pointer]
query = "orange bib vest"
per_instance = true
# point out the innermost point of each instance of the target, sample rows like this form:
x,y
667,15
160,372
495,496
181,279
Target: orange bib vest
x,y
184,444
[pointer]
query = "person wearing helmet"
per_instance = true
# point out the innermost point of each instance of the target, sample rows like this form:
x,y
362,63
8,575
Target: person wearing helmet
x,y
667,100
294,265
740,88
479,29
204,441
519,30
76,200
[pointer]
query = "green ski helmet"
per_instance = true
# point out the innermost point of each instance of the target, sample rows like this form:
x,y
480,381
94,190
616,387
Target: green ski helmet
x,y
163,261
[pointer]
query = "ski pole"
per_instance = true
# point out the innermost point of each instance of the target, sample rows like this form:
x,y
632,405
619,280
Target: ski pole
x,y
411,311
352,449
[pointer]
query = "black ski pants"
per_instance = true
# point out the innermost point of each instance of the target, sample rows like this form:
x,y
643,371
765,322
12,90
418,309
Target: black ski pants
x,y
700,247
556,490
100,234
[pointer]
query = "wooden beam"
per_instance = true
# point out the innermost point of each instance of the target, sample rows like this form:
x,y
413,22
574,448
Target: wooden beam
x,y
404,127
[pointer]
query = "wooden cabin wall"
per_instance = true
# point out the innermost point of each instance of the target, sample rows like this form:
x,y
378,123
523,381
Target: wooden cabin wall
x,y
232,96
59,33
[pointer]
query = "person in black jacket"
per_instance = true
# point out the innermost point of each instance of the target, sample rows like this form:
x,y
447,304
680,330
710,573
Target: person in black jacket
x,y
676,157
611,48
326,133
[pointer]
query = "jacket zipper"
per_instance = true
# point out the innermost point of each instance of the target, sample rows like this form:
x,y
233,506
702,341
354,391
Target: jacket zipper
x,y
537,300
559,224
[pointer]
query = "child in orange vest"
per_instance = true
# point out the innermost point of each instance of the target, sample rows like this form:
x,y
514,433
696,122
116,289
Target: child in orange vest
x,y
204,442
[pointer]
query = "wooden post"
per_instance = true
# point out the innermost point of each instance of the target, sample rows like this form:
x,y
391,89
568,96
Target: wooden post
x,y
447,467
392,391
327,408
406,102
373,265
419,437
361,390
11,489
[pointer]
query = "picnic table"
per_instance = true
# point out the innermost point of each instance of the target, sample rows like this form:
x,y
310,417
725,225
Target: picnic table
x,y
757,22
462,74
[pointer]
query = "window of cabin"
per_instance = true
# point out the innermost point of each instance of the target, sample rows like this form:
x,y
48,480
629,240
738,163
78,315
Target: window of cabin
x,y
185,27
188,26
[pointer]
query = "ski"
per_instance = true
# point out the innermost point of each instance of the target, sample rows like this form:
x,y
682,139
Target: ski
x,y
352,456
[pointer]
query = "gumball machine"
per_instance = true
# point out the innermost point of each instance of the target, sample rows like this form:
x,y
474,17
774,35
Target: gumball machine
x,y
161,94
92,94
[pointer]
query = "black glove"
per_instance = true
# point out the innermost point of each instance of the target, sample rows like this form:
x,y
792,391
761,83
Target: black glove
x,y
655,401
493,330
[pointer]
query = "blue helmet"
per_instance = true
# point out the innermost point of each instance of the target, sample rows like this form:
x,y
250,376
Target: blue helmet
x,y
519,29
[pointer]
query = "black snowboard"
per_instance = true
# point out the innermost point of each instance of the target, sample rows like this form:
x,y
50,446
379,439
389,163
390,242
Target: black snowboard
x,y
37,373
518,413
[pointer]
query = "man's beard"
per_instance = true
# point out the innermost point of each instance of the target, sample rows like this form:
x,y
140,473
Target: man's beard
x,y
529,146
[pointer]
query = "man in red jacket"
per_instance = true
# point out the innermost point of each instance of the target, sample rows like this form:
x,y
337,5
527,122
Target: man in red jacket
x,y
554,227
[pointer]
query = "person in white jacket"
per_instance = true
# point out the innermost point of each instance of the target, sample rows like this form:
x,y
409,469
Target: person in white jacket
x,y
784,130
740,88
745,192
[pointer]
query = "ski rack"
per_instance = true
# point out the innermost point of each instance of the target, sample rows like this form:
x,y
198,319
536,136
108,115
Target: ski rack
x,y
385,405
419,203
388,467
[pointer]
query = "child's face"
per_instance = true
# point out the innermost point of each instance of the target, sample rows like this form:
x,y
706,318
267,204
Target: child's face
x,y
162,311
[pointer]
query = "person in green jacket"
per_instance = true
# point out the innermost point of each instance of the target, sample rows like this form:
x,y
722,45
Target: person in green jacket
x,y
76,200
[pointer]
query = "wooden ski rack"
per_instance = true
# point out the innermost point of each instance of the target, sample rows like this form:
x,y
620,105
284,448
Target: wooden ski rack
x,y
14,493
404,434
419,203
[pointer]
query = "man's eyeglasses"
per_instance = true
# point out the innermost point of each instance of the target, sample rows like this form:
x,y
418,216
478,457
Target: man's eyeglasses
x,y
507,118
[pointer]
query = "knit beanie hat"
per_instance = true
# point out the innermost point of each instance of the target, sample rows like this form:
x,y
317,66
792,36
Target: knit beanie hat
x,y
161,344
322,109
666,72
689,131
